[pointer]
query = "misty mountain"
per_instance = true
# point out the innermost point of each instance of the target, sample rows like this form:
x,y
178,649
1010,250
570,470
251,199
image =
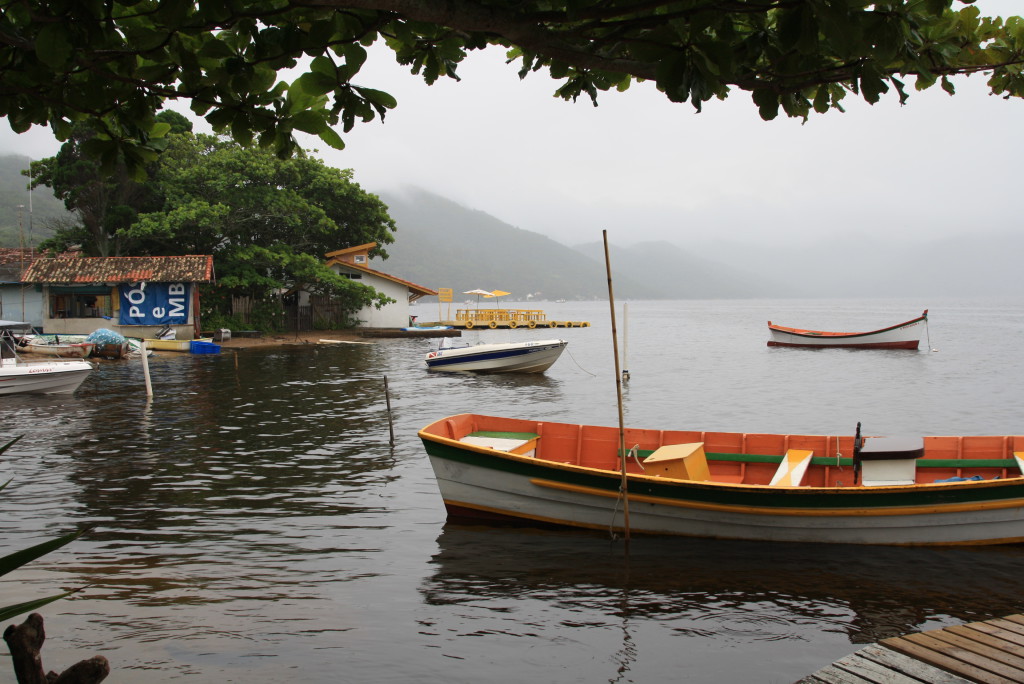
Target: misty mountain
x,y
983,264
17,224
442,244
677,274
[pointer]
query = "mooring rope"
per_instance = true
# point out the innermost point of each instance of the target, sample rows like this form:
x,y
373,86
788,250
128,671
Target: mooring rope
x,y
634,452
578,364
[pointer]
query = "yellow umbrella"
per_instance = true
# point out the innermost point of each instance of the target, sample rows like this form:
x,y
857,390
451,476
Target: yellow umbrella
x,y
496,293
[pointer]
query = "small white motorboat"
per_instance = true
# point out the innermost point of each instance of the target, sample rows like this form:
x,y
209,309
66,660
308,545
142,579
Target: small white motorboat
x,y
17,376
510,357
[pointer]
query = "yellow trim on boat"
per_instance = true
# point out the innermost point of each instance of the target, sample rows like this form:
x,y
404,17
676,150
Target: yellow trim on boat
x,y
800,512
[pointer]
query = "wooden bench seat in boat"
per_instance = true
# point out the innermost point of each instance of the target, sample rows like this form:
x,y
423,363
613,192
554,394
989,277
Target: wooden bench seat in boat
x,y
679,461
792,468
889,460
521,443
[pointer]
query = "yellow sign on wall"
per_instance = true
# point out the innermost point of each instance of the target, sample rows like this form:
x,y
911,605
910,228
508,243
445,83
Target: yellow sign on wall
x,y
444,294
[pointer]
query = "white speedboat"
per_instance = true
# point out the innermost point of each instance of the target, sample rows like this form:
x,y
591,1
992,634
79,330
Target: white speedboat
x,y
53,376
511,357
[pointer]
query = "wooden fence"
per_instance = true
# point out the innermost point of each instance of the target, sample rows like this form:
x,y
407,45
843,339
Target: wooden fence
x,y
321,313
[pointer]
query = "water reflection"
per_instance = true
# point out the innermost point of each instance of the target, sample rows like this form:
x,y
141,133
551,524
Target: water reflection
x,y
727,590
253,520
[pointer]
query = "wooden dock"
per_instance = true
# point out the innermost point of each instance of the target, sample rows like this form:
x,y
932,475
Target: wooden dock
x,y
991,651
508,324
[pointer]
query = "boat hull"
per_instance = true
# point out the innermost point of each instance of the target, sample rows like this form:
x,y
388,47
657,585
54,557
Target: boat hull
x,y
487,485
57,377
523,357
903,336
173,345
77,350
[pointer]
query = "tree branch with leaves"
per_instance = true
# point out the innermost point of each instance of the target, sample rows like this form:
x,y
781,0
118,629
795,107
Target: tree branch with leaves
x,y
117,63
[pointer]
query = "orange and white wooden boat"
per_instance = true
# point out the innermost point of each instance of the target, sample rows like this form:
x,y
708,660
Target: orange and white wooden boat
x,y
769,487
902,336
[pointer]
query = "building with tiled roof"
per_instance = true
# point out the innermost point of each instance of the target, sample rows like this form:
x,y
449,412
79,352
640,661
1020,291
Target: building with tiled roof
x,y
135,296
354,264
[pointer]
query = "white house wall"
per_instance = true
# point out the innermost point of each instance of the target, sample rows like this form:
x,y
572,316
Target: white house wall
x,y
390,316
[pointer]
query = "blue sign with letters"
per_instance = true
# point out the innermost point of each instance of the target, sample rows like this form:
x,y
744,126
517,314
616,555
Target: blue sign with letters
x,y
154,304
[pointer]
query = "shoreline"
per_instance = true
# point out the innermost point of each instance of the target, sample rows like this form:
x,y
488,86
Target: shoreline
x,y
284,339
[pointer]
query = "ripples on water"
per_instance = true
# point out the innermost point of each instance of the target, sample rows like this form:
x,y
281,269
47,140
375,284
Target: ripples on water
x,y
253,524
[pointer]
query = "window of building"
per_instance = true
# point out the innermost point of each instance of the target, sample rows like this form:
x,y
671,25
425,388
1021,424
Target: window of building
x,y
84,304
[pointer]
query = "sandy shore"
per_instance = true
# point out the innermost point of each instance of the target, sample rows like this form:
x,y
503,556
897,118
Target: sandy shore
x,y
281,339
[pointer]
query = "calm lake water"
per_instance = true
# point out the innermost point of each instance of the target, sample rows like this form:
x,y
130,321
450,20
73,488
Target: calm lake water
x,y
253,524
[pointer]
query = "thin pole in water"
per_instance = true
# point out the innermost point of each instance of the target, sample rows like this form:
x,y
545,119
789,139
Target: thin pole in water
x,y
625,342
624,487
145,369
387,399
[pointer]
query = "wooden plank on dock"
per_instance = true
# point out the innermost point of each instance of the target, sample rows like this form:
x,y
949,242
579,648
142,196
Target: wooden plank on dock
x,y
879,665
954,657
988,652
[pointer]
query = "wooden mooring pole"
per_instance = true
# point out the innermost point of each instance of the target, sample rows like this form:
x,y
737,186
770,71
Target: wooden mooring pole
x,y
387,399
145,369
624,486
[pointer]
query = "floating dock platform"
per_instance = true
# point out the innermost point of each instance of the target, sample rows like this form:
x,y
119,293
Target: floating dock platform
x,y
507,319
988,651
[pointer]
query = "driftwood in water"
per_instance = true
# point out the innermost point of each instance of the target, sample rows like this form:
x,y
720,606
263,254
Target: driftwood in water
x,y
26,640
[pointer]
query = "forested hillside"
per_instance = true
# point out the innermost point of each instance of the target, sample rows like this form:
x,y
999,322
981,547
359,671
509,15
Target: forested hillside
x,y
442,244
15,223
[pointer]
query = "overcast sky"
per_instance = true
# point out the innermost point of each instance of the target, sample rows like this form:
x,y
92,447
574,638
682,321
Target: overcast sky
x,y
646,169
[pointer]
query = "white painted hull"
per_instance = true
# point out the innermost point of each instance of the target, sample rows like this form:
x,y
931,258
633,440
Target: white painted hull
x,y
903,336
517,357
502,494
53,377
64,351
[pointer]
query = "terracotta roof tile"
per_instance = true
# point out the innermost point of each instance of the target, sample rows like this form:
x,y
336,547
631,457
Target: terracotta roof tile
x,y
169,269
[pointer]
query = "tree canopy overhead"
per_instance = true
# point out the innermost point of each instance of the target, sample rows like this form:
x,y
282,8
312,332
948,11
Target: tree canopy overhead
x,y
115,63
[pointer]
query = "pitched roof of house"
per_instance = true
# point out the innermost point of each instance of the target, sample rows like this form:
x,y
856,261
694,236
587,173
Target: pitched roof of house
x,y
73,270
351,250
342,257
13,261
17,255
418,290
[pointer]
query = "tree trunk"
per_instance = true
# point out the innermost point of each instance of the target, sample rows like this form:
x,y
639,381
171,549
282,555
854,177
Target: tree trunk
x,y
25,642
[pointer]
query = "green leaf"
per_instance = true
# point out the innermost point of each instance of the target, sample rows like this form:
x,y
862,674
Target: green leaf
x,y
767,103
15,560
309,122
7,446
8,612
378,97
315,83
53,46
331,137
